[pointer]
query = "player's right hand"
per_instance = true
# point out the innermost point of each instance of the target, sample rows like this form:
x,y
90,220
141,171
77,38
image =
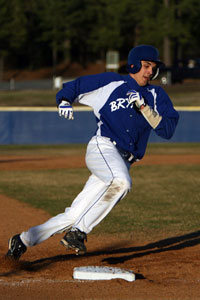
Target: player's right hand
x,y
65,110
135,97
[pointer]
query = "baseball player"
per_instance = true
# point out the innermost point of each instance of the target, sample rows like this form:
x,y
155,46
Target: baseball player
x,y
127,108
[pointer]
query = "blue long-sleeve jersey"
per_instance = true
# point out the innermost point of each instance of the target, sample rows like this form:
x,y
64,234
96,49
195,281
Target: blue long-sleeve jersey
x,y
106,93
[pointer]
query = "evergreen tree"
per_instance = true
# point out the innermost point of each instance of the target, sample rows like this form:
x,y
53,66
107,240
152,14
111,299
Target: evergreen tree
x,y
53,24
35,33
12,29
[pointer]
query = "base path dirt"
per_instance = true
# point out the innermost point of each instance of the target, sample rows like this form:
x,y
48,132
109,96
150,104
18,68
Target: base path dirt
x,y
167,268
75,161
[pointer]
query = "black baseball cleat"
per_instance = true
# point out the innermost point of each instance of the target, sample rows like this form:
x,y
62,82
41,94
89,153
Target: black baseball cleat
x,y
74,239
16,247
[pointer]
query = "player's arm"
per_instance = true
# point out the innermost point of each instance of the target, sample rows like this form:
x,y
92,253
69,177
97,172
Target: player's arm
x,y
152,117
64,100
67,96
167,125
71,92
164,120
170,116
76,90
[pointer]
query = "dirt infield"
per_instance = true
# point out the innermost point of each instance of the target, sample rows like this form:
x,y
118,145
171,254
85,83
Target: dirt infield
x,y
167,268
77,161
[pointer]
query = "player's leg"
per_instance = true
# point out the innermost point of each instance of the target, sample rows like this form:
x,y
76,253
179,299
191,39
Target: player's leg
x,y
110,171
61,222
109,183
108,166
111,176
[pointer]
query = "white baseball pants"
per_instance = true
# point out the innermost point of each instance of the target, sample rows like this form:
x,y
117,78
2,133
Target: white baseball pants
x,y
110,181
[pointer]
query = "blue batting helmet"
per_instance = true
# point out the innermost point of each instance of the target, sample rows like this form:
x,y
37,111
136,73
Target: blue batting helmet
x,y
146,53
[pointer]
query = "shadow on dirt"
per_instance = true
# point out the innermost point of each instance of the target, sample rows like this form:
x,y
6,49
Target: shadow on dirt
x,y
15,160
169,244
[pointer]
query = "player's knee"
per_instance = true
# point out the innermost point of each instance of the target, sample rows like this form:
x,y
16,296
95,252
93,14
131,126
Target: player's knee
x,y
122,184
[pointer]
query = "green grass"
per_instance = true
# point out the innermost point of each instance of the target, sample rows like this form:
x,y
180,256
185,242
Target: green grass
x,y
164,198
79,149
173,148
28,98
186,94
51,190
40,150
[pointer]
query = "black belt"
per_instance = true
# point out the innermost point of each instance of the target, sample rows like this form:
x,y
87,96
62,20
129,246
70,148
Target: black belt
x,y
126,155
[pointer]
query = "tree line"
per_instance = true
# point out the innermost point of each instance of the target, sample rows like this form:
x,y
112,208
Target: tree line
x,y
39,33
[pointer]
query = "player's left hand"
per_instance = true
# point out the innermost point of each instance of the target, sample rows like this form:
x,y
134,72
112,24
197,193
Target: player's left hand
x,y
65,110
135,97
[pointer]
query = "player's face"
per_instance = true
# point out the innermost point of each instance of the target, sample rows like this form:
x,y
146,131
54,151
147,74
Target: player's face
x,y
145,73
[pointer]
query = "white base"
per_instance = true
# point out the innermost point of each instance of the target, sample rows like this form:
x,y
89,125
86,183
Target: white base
x,y
102,273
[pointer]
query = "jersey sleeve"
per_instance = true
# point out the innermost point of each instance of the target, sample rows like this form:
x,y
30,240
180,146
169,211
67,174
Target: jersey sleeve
x,y
72,91
170,116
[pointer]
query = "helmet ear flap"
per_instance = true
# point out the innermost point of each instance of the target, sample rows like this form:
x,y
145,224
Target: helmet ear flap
x,y
134,68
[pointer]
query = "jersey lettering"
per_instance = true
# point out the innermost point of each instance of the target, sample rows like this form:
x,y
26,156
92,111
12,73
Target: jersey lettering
x,y
119,103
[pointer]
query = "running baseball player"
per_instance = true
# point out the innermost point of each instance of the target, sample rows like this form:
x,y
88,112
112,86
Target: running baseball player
x,y
127,108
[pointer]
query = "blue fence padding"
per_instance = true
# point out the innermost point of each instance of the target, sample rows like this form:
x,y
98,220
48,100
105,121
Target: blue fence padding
x,y
28,127
46,127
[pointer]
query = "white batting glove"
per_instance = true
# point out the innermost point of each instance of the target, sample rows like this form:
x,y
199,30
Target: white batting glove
x,y
135,97
65,110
